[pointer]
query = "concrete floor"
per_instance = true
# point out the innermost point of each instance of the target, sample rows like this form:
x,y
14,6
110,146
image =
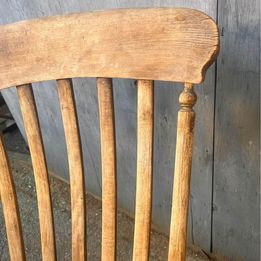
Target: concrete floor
x,y
23,176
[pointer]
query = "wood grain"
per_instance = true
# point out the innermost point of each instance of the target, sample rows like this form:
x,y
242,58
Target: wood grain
x,y
180,201
144,170
236,176
108,156
34,137
74,151
154,43
10,207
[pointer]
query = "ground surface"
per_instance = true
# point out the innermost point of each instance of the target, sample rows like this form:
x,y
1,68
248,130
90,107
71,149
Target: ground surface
x,y
23,176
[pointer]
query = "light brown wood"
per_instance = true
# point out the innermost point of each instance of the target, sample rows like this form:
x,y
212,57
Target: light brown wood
x,y
149,44
153,43
34,137
10,207
180,201
71,128
108,156
144,170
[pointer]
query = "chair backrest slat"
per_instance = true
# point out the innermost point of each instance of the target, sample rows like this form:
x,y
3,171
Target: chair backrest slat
x,y
108,156
74,151
10,207
34,137
170,44
144,170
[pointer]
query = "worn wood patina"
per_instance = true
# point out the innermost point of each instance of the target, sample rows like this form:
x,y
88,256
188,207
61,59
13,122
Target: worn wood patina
x,y
170,44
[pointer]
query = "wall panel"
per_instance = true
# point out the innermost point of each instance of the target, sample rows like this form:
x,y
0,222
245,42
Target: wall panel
x,y
236,216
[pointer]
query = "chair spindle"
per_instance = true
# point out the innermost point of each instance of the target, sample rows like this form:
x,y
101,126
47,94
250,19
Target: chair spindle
x,y
144,170
109,179
10,207
180,200
34,137
74,151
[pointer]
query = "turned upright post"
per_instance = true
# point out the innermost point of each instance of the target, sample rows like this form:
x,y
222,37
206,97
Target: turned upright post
x,y
180,200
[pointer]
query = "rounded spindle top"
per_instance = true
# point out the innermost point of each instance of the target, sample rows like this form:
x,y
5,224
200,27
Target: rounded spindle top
x,y
188,97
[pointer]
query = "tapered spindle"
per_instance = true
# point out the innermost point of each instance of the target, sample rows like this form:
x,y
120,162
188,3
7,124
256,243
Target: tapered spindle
x,y
10,207
74,151
180,200
144,171
108,156
34,137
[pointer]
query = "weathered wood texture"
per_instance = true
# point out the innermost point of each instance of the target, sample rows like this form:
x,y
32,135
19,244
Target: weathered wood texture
x,y
10,207
183,161
77,185
109,178
188,40
194,39
145,126
34,137
236,209
166,106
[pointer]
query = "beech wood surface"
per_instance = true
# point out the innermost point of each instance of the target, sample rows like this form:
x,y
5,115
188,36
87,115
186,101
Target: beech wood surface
x,y
148,44
34,137
108,157
144,170
181,187
10,207
74,151
171,44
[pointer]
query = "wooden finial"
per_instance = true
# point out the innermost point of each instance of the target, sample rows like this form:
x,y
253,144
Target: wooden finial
x,y
187,98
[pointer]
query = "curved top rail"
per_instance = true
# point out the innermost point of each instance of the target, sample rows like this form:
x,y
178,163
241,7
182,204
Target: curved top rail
x,y
153,43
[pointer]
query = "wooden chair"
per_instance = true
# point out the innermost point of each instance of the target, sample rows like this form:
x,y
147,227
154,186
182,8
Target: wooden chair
x,y
145,44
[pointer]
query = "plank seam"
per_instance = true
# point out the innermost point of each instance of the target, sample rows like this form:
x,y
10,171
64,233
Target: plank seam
x,y
213,145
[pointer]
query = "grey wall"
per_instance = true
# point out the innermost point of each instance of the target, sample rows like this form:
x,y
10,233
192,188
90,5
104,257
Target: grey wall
x,y
236,182
224,201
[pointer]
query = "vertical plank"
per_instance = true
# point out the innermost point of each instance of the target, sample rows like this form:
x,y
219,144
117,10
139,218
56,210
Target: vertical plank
x,y
183,161
77,186
10,207
33,133
108,155
144,170
236,201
